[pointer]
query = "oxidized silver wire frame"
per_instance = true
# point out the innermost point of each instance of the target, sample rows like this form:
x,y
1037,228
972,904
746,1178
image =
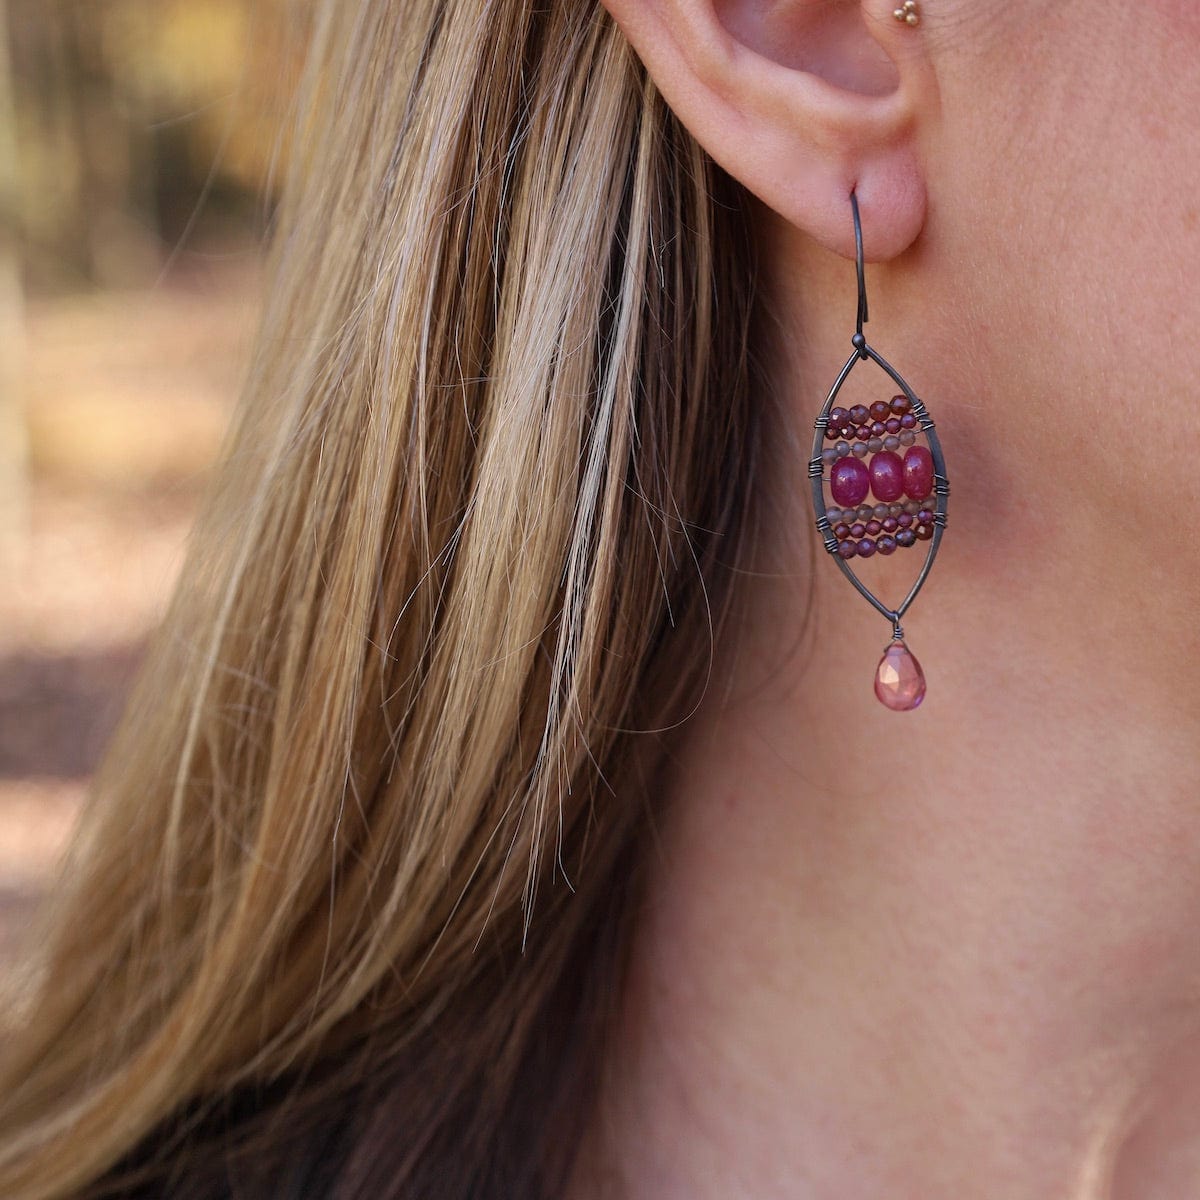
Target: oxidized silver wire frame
x,y
816,468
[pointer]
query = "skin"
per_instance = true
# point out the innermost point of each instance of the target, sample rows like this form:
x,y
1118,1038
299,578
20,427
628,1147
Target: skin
x,y
950,954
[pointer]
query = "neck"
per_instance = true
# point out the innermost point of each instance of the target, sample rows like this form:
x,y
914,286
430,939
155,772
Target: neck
x,y
949,953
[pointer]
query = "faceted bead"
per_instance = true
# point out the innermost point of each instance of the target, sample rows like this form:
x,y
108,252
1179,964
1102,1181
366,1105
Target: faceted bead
x,y
849,481
924,516
900,405
875,445
892,425
833,432
907,437
908,421
847,549
918,472
859,449
878,429
879,511
890,525
891,442
863,432
858,530
924,532
886,544
829,456
874,529
887,476
834,515
866,548
904,520
906,537
899,680
842,449
859,413
841,531
880,410
838,416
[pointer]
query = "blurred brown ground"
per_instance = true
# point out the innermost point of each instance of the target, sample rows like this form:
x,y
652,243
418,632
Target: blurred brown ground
x,y
127,399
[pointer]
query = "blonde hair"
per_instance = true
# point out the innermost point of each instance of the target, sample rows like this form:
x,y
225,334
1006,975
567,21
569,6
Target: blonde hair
x,y
356,877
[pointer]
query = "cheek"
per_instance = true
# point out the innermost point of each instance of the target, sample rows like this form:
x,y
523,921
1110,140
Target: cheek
x,y
1079,176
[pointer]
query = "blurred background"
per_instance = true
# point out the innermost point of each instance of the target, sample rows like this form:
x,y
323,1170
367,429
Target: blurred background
x,y
137,145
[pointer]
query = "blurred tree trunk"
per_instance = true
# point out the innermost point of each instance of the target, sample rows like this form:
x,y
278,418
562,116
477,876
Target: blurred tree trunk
x,y
14,456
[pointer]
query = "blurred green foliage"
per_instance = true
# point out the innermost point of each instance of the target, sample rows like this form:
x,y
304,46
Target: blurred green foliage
x,y
129,128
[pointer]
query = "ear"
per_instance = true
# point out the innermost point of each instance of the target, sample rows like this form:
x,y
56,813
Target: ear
x,y
801,101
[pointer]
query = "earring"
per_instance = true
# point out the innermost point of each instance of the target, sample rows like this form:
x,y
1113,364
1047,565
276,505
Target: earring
x,y
874,452
907,13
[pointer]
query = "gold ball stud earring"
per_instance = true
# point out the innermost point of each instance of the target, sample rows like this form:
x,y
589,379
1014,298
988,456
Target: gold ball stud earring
x,y
907,13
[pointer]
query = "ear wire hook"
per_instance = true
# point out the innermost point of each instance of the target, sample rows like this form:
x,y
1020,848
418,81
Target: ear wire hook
x,y
859,340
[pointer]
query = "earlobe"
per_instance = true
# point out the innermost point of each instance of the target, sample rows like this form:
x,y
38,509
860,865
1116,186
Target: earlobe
x,y
802,102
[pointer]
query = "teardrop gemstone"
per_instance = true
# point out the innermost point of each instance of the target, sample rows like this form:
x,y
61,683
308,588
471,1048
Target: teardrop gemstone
x,y
899,680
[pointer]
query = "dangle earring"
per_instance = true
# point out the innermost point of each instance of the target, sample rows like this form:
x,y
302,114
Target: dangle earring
x,y
864,453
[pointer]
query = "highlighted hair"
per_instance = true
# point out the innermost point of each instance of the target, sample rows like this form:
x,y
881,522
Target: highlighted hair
x,y
346,913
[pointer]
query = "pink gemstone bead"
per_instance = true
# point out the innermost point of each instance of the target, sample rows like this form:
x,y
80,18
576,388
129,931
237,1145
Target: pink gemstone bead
x,y
887,476
849,481
918,472
899,680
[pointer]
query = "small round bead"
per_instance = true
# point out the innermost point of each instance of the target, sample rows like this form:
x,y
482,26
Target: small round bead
x,y
912,506
924,532
890,525
894,510
874,528
904,520
880,410
862,432
833,516
841,531
924,516
832,431
875,445
905,537
865,512
858,530
859,449
838,416
847,549
908,421
829,456
891,442
842,449
907,438
859,413
879,511
866,548
878,429
892,425
900,405
886,544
